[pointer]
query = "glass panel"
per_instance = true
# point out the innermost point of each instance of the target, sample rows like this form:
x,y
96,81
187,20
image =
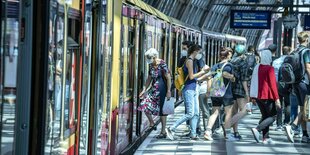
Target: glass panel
x,y
8,65
61,113
85,79
53,115
104,84
126,90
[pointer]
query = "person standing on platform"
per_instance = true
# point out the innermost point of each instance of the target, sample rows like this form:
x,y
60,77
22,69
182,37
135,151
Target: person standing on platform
x,y
184,53
240,91
189,94
159,84
264,90
284,91
301,89
227,99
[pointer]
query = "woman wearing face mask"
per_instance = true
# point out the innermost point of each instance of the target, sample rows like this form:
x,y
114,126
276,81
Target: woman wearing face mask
x,y
189,94
159,84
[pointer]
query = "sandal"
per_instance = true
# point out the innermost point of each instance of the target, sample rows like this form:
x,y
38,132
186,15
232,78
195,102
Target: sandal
x,y
153,128
161,136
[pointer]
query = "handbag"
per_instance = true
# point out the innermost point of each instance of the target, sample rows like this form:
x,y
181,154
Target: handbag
x,y
307,108
168,107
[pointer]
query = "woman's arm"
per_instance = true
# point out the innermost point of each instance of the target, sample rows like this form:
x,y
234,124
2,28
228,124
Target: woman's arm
x,y
207,76
147,83
168,79
229,76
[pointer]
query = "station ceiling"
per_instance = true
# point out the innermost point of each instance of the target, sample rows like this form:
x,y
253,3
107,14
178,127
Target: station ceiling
x,y
207,15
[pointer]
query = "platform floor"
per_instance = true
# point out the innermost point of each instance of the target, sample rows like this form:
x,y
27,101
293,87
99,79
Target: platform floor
x,y
184,146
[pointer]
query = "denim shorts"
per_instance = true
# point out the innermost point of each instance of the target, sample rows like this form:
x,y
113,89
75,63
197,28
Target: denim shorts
x,y
219,101
301,90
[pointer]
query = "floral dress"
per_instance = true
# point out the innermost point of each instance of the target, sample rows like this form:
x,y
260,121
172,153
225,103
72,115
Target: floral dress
x,y
155,98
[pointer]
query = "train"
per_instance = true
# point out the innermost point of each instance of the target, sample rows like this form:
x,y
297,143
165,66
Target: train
x,y
91,90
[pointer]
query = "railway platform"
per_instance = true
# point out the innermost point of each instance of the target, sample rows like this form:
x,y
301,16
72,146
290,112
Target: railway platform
x,y
247,145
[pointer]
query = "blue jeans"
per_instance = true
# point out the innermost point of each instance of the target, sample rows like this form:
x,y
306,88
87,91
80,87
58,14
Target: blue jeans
x,y
192,112
294,106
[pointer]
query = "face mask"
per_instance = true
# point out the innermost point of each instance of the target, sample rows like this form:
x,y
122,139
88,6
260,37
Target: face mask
x,y
183,53
149,61
198,56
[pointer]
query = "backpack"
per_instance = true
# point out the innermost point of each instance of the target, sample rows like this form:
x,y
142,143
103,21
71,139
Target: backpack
x,y
251,62
180,78
291,70
218,88
276,64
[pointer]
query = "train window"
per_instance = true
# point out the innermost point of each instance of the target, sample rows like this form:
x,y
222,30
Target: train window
x,y
126,85
103,97
61,113
9,48
149,40
160,45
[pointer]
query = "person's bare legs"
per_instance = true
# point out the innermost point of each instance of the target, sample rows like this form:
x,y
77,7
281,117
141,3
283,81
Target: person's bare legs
x,y
228,115
213,117
150,118
163,120
242,112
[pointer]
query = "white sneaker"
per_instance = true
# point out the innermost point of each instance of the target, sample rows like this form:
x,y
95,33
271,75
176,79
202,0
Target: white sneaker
x,y
218,131
268,141
170,133
208,135
255,134
289,133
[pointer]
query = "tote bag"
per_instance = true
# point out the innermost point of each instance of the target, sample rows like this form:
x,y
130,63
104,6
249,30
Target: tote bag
x,y
168,107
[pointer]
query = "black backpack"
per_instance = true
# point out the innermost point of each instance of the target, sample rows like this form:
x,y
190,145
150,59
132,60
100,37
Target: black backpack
x,y
251,62
291,70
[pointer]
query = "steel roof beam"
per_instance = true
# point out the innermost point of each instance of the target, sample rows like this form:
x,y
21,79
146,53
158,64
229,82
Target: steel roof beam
x,y
266,5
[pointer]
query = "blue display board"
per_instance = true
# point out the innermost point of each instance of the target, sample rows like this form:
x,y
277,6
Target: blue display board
x,y
248,19
307,23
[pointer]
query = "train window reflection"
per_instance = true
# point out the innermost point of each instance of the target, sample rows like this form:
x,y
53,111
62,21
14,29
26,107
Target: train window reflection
x,y
61,113
9,28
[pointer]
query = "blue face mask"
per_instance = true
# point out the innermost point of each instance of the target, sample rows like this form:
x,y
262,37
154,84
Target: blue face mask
x,y
183,53
198,56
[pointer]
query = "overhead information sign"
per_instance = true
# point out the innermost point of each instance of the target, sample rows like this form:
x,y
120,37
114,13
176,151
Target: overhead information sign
x,y
307,23
248,19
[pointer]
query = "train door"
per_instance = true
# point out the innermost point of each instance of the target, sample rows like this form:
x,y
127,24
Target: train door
x,y
63,70
9,48
100,80
175,54
147,41
85,86
136,48
127,81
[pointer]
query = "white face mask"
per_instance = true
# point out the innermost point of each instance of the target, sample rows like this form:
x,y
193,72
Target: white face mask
x,y
198,56
183,53
149,61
